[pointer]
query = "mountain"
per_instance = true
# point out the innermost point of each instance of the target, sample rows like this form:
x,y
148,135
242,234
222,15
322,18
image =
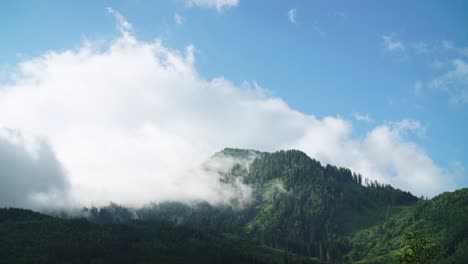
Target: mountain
x,y
298,211
304,207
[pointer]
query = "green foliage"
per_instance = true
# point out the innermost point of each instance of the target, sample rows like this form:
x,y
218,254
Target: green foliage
x,y
299,208
417,249
314,207
444,220
28,237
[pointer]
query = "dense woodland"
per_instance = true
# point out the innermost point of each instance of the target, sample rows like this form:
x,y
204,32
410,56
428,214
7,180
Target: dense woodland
x,y
301,212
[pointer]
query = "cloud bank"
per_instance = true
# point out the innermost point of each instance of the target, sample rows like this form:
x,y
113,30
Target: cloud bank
x,y
132,122
30,174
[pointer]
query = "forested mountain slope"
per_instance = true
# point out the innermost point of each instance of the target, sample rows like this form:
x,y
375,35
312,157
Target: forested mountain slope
x,y
296,205
28,237
443,219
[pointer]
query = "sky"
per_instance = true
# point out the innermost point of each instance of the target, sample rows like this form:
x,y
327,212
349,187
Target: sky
x,y
123,100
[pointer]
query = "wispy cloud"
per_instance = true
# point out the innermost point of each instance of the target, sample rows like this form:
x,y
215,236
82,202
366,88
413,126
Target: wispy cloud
x,y
407,125
391,43
436,64
339,14
421,47
317,29
123,24
362,117
449,75
178,19
446,44
292,13
454,82
220,5
464,52
450,46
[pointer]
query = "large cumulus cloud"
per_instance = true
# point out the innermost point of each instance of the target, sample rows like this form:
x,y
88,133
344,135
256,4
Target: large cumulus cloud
x,y
130,121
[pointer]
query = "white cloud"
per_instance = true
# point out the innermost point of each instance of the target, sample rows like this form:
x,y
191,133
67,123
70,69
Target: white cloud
x,y
123,24
455,79
292,15
317,28
30,174
392,44
454,82
383,154
407,125
178,19
218,4
361,117
132,122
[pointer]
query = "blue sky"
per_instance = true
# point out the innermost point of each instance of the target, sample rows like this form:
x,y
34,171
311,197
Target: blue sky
x,y
379,62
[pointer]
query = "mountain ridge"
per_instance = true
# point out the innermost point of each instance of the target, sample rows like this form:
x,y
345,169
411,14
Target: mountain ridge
x,y
314,212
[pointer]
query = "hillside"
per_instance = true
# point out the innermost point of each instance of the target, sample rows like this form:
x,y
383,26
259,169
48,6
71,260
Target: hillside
x,y
444,219
298,205
299,212
29,237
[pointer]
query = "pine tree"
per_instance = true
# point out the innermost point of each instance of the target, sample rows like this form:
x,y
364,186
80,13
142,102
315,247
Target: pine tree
x,y
418,248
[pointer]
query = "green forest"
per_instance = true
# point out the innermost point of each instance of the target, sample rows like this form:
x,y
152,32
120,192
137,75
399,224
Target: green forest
x,y
300,212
